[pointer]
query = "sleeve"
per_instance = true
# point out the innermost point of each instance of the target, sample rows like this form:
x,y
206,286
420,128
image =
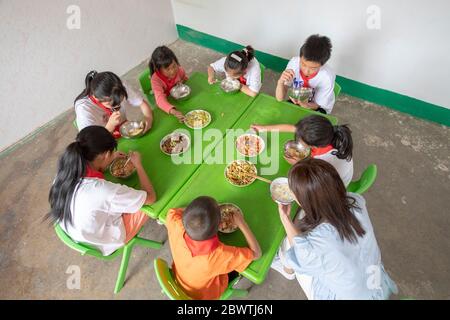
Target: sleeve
x,y
303,258
292,64
84,118
183,75
219,65
160,95
234,258
324,94
134,97
127,200
254,78
173,217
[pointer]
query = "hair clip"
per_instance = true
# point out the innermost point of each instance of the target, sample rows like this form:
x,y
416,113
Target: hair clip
x,y
236,57
92,74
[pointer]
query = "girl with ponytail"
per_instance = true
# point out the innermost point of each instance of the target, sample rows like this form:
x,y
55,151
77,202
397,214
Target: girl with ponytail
x,y
333,144
103,103
89,208
240,65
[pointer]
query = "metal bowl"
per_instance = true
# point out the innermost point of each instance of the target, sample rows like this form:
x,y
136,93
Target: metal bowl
x,y
280,192
119,162
193,121
303,93
180,92
223,206
229,85
296,150
132,129
179,140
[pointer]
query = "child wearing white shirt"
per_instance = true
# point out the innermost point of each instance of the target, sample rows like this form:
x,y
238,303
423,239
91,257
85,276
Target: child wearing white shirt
x,y
90,209
309,70
241,65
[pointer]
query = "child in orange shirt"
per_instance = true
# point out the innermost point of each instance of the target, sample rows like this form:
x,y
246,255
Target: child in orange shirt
x,y
201,262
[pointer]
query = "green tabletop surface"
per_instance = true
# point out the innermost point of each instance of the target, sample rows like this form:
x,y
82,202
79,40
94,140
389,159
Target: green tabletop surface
x,y
259,210
166,176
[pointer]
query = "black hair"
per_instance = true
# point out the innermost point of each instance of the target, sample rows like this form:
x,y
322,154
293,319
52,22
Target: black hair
x,y
90,142
240,63
162,57
317,131
317,49
201,218
105,86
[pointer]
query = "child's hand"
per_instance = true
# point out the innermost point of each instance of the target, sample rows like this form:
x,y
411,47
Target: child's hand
x,y
178,114
135,158
258,127
238,219
287,76
290,160
115,119
119,154
147,124
295,101
211,80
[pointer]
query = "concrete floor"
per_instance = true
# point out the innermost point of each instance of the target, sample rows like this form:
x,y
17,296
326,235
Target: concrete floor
x,y
408,206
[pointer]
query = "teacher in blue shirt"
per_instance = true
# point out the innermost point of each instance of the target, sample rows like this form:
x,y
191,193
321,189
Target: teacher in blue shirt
x,y
331,248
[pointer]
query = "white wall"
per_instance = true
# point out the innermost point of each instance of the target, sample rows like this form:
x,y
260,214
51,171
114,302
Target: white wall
x,y
409,54
43,64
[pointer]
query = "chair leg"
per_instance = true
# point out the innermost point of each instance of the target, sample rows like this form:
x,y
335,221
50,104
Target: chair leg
x,y
123,268
148,243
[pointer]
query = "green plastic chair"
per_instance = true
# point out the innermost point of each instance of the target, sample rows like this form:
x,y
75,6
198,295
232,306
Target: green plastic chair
x,y
171,288
85,249
337,89
263,69
365,182
75,124
146,84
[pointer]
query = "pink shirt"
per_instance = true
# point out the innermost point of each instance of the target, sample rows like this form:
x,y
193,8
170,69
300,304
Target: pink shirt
x,y
159,89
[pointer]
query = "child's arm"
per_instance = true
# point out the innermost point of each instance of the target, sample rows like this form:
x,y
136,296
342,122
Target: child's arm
x,y
245,89
275,127
148,115
287,76
144,181
291,230
161,100
248,234
211,75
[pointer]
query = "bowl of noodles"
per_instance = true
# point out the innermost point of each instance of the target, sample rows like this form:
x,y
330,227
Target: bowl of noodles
x,y
227,211
240,173
118,168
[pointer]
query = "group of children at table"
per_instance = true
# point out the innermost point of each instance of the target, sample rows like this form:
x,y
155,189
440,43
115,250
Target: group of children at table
x,y
330,244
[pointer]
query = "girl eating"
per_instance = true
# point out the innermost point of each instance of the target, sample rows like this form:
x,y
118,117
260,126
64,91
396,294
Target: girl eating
x,y
90,209
240,65
165,73
104,101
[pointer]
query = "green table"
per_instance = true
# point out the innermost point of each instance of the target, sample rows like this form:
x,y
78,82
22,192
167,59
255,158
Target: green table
x,y
167,177
260,211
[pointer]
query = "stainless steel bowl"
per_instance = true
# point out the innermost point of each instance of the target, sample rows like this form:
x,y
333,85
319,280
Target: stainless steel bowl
x,y
132,129
120,162
280,191
296,150
180,91
229,85
303,94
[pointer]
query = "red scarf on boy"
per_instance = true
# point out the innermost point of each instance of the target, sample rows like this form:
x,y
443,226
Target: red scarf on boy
x,y
200,248
306,79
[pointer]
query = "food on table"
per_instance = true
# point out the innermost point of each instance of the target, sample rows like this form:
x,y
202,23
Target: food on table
x,y
281,192
240,172
230,85
135,131
227,211
175,143
249,145
295,150
197,119
302,93
119,170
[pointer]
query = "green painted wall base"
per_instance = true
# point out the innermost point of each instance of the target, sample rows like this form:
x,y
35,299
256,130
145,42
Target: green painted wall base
x,y
396,101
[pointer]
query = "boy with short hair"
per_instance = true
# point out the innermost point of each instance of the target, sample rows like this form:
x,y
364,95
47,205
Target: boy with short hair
x,y
309,69
201,263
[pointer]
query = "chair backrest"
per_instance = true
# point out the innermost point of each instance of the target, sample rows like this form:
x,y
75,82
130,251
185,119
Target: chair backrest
x,y
144,80
81,248
263,69
168,284
367,179
337,89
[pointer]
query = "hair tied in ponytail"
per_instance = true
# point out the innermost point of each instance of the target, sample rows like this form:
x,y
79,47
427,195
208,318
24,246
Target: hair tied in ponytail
x,y
92,74
236,57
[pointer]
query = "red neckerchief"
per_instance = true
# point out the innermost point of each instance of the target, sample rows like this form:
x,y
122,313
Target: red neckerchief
x,y
320,150
200,248
91,173
306,79
109,112
170,83
242,80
